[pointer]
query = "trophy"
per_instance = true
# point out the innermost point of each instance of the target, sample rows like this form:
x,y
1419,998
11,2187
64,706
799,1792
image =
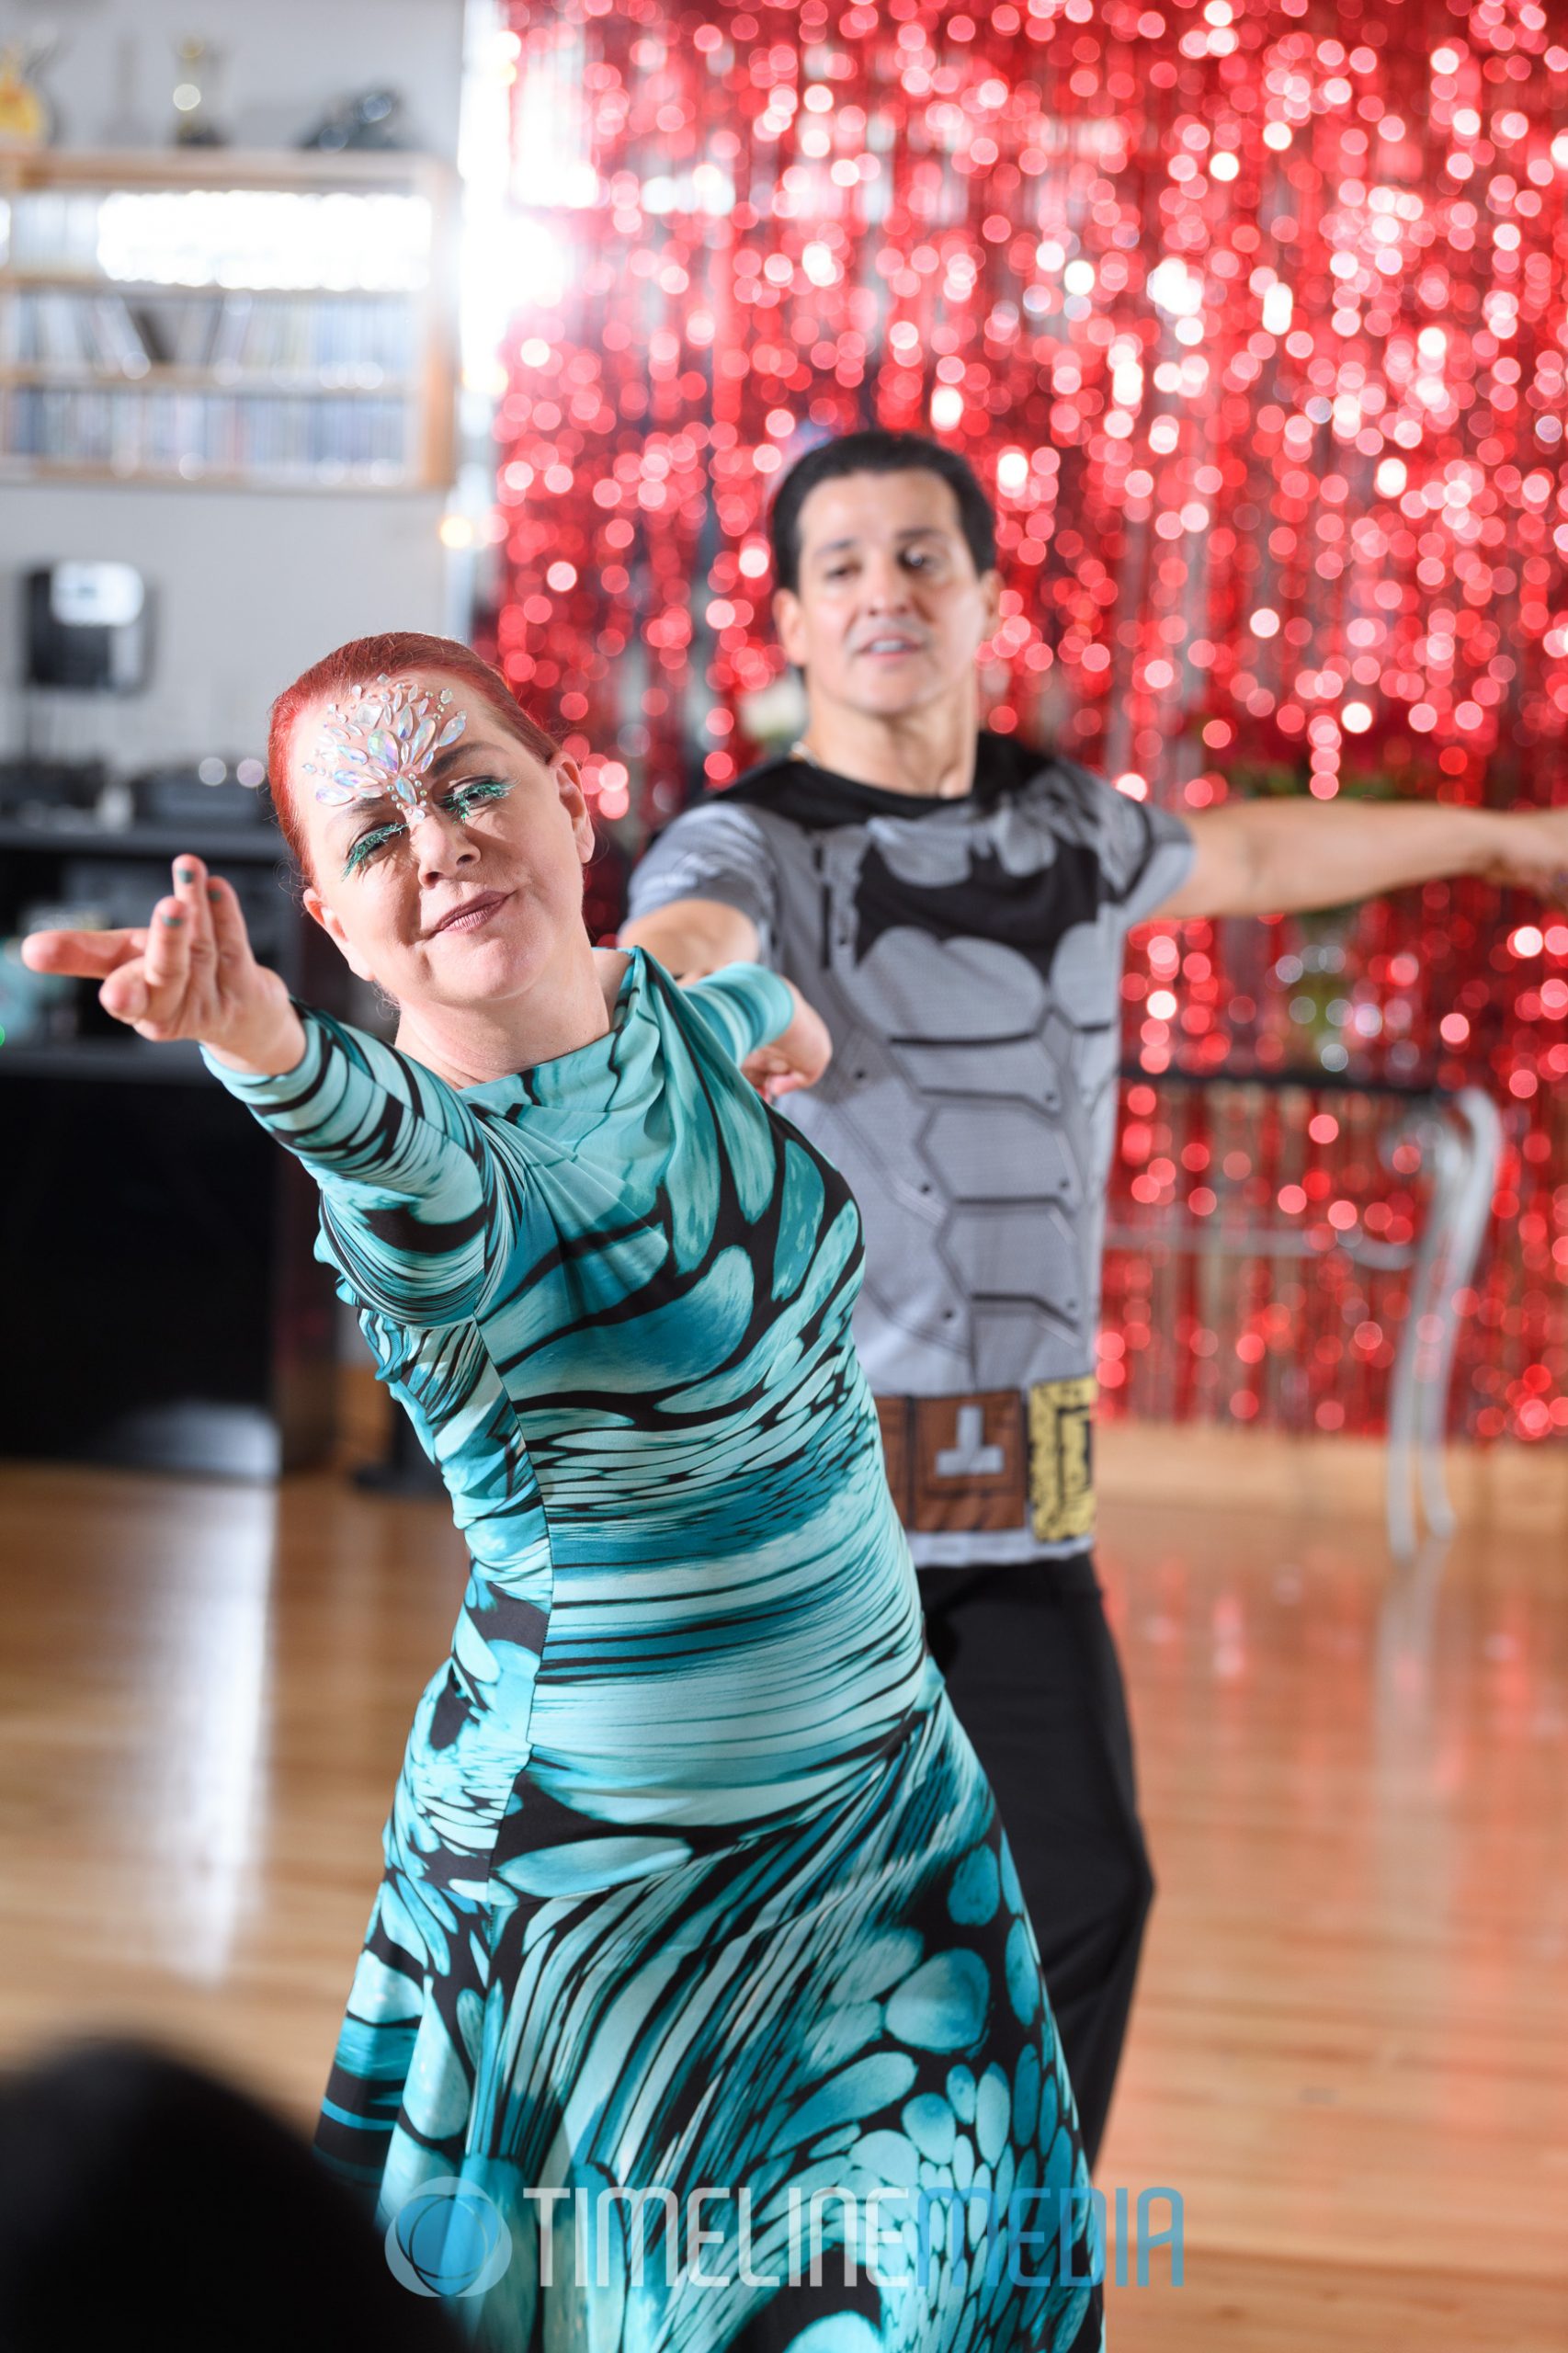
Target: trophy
x,y
195,125
26,119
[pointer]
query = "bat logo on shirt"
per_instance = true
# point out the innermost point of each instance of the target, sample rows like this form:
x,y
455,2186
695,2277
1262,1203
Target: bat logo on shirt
x,y
1029,913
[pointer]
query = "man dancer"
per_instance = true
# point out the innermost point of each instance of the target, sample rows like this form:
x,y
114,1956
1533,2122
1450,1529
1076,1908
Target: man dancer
x,y
955,903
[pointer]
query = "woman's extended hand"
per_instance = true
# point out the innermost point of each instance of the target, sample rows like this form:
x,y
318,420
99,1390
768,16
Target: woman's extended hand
x,y
796,1057
189,974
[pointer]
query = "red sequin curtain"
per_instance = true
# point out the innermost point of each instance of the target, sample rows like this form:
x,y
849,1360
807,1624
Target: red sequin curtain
x,y
1252,318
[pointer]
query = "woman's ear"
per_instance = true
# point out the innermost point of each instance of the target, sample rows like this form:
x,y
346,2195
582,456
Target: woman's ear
x,y
316,907
574,801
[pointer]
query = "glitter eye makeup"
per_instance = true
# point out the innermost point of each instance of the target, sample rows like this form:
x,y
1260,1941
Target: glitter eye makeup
x,y
382,740
476,792
368,845
462,802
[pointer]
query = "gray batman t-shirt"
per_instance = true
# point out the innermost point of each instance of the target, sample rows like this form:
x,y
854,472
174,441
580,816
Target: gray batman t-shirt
x,y
966,956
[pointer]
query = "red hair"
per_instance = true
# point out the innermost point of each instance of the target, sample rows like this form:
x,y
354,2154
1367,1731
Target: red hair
x,y
352,665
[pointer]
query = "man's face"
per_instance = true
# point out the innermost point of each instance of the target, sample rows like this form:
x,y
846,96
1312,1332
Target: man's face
x,y
890,610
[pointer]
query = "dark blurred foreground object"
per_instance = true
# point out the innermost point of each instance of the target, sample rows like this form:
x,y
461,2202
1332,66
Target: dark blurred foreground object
x,y
146,2206
366,121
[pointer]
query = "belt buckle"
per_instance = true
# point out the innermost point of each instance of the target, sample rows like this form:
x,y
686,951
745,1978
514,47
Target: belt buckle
x,y
990,1462
957,1465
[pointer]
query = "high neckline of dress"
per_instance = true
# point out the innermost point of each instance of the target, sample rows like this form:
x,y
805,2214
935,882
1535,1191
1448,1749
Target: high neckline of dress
x,y
580,1064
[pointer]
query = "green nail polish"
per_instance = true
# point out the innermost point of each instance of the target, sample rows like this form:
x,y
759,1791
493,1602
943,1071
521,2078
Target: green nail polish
x,y
213,892
187,874
172,920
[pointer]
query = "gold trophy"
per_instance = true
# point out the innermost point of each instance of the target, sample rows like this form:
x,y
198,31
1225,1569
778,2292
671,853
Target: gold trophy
x,y
25,121
195,125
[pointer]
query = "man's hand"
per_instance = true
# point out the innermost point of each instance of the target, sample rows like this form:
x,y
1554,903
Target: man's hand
x,y
190,974
796,1058
1531,853
1269,858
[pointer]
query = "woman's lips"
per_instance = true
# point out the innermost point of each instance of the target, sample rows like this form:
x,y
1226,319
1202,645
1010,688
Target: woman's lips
x,y
471,914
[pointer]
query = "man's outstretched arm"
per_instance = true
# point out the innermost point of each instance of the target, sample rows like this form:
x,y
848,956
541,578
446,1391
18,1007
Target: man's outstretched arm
x,y
1267,857
692,936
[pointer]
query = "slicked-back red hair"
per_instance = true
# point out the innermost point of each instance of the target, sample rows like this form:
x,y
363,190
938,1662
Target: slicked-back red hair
x,y
395,653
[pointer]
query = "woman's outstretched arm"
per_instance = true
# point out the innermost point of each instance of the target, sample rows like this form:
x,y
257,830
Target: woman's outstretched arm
x,y
780,1041
188,973
410,1199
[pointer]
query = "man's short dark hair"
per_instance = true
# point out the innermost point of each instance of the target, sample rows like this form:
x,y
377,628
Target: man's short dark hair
x,y
877,451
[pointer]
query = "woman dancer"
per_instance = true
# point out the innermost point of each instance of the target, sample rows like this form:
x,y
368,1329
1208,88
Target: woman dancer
x,y
696,1908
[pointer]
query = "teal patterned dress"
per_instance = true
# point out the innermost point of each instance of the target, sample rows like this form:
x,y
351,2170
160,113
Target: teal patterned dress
x,y
692,1882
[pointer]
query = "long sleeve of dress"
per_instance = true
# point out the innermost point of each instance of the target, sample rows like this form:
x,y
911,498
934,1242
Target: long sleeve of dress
x,y
417,1213
415,1210
743,1005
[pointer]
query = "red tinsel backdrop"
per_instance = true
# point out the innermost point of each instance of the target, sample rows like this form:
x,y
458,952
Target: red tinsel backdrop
x,y
1252,315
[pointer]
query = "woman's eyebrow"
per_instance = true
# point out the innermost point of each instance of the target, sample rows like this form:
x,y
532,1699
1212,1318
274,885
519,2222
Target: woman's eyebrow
x,y
350,814
469,749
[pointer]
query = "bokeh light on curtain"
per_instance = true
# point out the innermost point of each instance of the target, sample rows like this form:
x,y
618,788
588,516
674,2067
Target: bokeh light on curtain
x,y
1252,315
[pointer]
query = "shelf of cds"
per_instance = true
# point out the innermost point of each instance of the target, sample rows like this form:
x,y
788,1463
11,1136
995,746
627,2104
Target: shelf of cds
x,y
227,320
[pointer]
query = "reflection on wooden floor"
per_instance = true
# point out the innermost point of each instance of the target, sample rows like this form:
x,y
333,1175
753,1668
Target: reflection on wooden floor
x,y
1350,2054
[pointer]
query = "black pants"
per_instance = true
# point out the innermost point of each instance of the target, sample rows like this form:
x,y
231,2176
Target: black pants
x,y
1033,1674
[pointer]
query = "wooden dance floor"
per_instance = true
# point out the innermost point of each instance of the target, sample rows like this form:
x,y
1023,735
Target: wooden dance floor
x,y
1350,2049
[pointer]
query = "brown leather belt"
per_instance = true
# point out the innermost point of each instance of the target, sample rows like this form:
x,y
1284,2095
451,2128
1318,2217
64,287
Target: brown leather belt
x,y
995,1460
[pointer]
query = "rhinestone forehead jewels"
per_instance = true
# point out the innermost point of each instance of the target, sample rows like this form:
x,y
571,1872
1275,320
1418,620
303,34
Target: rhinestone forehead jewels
x,y
380,740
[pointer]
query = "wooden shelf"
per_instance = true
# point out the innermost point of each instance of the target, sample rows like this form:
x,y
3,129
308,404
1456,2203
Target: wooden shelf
x,y
206,289
420,349
22,469
300,168
67,376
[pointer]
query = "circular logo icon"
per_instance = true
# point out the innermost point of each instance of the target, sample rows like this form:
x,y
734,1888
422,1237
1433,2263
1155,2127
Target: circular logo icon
x,y
449,2239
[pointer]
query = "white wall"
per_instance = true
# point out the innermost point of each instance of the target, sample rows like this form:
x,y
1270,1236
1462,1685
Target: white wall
x,y
281,62
249,586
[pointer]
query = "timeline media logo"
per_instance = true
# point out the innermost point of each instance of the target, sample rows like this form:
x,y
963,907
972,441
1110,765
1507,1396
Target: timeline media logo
x,y
449,2239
